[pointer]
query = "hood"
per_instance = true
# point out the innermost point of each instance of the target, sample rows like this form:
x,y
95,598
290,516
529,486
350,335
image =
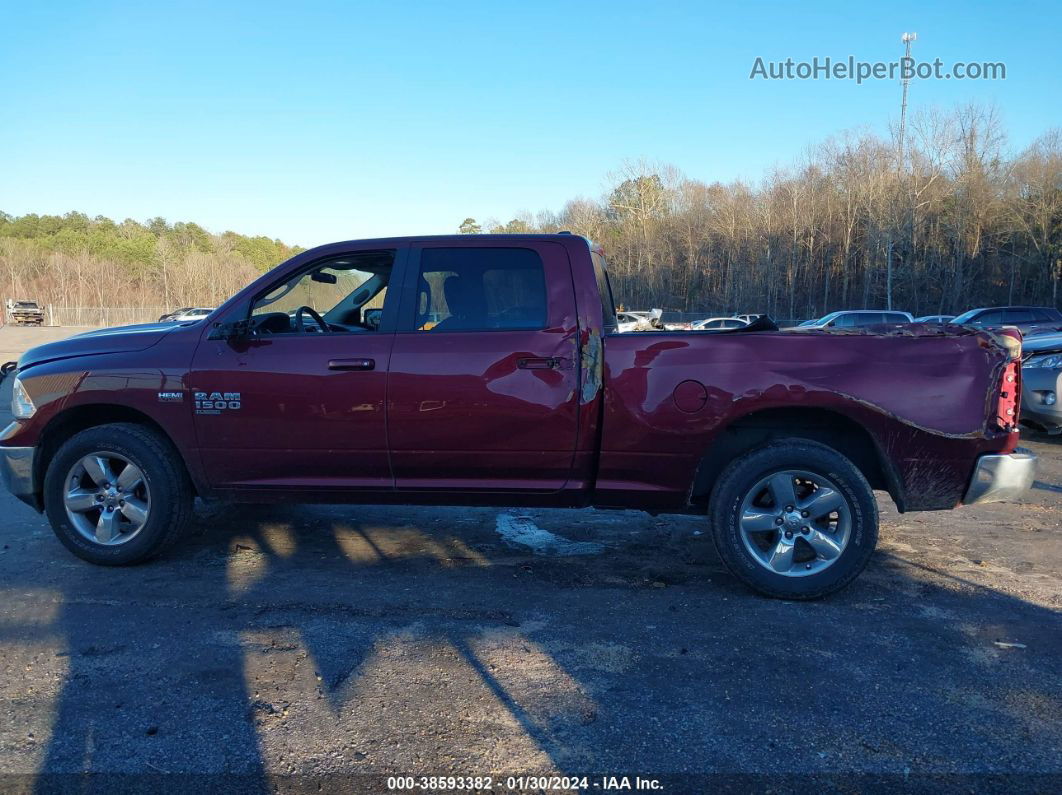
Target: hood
x,y
1040,343
120,339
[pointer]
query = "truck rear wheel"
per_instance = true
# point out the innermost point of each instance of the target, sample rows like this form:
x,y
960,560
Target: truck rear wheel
x,y
794,520
117,494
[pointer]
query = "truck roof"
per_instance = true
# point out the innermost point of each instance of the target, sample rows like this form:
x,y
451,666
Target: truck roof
x,y
557,236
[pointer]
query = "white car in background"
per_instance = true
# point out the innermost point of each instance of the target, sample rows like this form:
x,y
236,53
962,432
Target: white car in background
x,y
638,321
717,323
186,315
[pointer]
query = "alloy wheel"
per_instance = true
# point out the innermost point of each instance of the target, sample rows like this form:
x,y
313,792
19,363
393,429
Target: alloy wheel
x,y
106,498
795,523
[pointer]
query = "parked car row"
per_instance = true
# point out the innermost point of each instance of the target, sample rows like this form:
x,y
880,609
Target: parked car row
x,y
1029,319
651,321
1026,318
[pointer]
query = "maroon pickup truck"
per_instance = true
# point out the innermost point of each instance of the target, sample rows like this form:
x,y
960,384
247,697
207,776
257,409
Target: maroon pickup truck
x,y
488,370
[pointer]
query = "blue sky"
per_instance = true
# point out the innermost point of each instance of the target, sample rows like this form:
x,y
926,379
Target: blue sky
x,y
317,121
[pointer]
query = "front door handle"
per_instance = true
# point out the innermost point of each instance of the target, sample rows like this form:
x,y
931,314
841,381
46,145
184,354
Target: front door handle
x,y
539,363
352,364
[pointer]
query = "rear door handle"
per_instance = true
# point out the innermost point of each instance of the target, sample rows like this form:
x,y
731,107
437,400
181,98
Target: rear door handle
x,y
352,364
547,363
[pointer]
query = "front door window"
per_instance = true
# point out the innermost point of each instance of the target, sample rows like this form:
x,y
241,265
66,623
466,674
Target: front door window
x,y
342,295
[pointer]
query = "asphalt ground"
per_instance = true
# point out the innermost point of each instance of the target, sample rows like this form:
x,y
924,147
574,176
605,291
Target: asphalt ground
x,y
297,647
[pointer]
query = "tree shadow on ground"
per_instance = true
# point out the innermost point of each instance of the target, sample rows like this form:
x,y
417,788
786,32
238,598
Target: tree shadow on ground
x,y
314,640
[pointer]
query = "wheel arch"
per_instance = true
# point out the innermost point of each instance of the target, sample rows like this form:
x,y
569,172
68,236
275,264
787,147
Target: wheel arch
x,y
78,418
759,428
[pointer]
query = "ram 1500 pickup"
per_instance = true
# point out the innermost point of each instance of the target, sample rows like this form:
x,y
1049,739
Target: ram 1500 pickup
x,y
488,370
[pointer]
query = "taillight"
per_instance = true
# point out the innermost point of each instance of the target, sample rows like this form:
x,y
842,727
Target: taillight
x,y
1009,397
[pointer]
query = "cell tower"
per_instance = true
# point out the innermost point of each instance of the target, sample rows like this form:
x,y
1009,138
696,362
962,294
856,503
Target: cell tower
x,y
906,38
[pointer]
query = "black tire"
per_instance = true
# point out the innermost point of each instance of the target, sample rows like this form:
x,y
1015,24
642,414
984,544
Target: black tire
x,y
164,474
741,477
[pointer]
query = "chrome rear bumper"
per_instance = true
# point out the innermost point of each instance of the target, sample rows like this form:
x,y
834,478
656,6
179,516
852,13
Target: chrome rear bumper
x,y
997,478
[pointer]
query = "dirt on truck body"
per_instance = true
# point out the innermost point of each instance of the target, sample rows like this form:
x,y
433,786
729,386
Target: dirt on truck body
x,y
491,371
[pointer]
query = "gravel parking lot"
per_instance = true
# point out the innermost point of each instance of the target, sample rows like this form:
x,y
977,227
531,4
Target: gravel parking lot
x,y
328,640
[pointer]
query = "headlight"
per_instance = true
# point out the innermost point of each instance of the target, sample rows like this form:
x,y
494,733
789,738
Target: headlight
x,y
1048,360
21,405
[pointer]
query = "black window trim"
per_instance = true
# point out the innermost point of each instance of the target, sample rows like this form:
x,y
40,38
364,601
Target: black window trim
x,y
609,323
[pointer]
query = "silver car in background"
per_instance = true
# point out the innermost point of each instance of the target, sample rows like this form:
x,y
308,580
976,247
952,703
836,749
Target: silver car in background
x,y
855,318
1028,319
717,323
1041,381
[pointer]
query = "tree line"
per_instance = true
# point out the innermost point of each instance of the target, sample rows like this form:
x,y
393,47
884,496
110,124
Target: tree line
x,y
946,219
127,271
942,221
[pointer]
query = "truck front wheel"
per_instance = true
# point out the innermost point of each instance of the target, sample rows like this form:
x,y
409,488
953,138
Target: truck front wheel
x,y
117,494
794,520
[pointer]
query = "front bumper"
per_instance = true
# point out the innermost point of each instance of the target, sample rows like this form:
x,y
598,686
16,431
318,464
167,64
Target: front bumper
x,y
16,472
997,478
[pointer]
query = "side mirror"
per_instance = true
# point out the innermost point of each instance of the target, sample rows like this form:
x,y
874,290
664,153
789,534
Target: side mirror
x,y
237,329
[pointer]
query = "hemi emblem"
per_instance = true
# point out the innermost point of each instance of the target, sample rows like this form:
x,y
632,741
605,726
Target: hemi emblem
x,y
171,397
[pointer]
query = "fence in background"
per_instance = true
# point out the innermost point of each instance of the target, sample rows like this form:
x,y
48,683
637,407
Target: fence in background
x,y
60,315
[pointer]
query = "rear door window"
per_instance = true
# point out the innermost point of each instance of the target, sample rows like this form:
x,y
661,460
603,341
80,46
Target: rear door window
x,y
988,318
480,289
895,317
1018,316
844,321
866,318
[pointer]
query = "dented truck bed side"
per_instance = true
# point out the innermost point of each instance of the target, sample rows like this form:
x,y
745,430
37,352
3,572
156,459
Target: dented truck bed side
x,y
926,397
